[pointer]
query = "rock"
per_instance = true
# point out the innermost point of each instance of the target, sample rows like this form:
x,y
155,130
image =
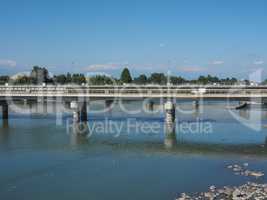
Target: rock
x,y
228,190
256,174
248,191
246,173
208,195
238,195
237,169
220,191
183,196
212,188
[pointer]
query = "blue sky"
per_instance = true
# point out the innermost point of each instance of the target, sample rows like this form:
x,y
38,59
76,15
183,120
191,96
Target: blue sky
x,y
186,37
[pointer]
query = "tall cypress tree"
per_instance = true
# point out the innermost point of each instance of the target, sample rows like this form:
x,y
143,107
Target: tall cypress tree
x,y
126,76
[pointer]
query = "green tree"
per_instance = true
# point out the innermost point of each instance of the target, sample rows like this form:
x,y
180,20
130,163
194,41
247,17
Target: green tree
x,y
60,79
101,80
158,78
126,76
23,80
142,79
78,79
176,80
68,78
4,79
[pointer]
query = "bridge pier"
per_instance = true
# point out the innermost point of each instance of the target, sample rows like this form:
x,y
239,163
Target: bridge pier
x,y
4,114
170,140
169,112
196,104
84,112
170,135
76,111
4,111
25,102
109,103
79,117
150,105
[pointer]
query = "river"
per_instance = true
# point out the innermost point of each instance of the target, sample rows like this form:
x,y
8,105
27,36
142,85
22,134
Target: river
x,y
41,158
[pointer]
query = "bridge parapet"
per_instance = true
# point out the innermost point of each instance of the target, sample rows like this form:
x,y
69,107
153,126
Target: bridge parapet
x,y
130,91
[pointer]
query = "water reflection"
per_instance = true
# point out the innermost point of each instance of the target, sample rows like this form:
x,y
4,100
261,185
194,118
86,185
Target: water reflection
x,y
196,113
170,140
80,128
4,134
215,114
244,113
77,139
150,106
5,124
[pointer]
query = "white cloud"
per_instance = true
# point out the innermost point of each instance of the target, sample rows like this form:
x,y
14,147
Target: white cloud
x,y
102,67
192,69
15,76
110,66
258,62
217,62
7,63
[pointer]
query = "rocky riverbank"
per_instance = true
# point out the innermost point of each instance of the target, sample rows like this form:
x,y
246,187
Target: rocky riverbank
x,y
248,191
244,171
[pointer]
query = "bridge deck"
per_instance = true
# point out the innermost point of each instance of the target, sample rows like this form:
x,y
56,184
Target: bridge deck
x,y
221,92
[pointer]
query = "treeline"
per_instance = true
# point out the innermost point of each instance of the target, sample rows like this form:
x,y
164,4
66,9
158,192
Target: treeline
x,y
40,75
159,79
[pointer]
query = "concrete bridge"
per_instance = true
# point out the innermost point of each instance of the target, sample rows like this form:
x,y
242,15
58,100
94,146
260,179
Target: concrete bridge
x,y
77,96
136,91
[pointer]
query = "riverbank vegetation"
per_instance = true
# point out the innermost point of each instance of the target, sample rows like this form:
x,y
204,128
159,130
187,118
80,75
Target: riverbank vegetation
x,y
39,75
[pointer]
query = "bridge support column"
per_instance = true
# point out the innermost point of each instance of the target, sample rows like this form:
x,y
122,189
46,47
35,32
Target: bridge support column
x,y
84,129
108,104
150,105
170,135
25,102
5,114
84,112
196,104
4,111
169,112
76,111
170,140
79,117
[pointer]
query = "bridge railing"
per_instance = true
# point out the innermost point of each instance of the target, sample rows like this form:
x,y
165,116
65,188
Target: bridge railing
x,y
20,90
